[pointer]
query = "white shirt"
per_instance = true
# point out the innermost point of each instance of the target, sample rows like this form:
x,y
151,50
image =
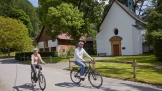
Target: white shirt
x,y
78,54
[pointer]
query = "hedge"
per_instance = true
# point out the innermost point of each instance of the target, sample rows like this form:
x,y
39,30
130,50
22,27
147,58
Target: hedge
x,y
157,44
28,54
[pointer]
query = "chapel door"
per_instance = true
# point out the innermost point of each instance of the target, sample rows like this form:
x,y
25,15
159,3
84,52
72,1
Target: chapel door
x,y
116,49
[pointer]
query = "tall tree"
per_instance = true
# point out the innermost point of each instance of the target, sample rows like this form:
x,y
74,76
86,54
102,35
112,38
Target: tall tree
x,y
22,8
91,10
13,34
154,22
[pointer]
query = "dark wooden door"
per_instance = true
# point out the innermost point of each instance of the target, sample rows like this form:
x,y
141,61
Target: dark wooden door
x,y
116,49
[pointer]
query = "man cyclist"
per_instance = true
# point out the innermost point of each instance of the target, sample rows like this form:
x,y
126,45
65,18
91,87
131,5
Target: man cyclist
x,y
35,60
78,59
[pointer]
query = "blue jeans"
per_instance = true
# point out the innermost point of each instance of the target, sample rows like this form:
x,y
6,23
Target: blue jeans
x,y
83,66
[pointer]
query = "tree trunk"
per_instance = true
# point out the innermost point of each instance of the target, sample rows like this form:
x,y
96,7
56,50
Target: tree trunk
x,y
8,50
76,43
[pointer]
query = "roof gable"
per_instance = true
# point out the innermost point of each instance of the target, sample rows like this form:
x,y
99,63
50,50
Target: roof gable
x,y
127,10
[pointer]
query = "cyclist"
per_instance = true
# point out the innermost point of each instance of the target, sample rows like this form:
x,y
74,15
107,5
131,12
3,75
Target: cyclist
x,y
78,59
35,60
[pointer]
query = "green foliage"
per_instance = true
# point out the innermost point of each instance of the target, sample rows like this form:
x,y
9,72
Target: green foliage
x,y
74,17
14,34
21,10
157,44
65,19
28,54
70,52
154,24
19,14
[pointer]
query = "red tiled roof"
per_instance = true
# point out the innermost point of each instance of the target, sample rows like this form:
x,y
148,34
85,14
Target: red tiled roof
x,y
63,36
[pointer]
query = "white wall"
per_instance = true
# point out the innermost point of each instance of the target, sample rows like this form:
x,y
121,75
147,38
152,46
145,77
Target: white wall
x,y
41,45
137,41
116,18
50,44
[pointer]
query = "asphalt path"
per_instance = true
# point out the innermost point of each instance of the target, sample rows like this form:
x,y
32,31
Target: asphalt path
x,y
15,76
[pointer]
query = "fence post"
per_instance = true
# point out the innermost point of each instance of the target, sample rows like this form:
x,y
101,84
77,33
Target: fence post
x,y
69,62
93,63
51,59
134,65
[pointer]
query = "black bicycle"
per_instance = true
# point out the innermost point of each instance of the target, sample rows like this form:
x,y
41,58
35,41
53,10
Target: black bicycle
x,y
94,76
39,77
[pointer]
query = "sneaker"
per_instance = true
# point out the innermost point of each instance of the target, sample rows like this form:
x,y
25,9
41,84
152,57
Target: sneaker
x,y
82,78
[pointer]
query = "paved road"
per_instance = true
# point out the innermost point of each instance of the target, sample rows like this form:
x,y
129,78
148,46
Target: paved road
x,y
16,77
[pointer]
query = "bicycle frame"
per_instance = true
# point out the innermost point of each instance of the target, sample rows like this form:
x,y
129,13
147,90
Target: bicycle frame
x,y
39,71
90,69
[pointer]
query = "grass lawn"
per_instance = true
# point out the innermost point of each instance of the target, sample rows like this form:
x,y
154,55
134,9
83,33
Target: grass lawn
x,y
125,71
144,59
5,55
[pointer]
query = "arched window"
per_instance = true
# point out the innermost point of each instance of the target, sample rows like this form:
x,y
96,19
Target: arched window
x,y
116,31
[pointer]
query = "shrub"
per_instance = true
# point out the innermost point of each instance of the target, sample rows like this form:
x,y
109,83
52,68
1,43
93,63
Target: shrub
x,y
70,51
28,54
157,44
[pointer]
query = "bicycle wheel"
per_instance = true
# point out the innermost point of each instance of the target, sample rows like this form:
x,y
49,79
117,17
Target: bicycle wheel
x,y
32,77
95,79
74,75
42,82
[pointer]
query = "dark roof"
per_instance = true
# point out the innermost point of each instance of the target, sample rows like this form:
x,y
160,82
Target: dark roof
x,y
138,27
126,9
37,39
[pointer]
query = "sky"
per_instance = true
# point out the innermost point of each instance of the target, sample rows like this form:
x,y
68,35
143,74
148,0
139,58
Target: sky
x,y
34,2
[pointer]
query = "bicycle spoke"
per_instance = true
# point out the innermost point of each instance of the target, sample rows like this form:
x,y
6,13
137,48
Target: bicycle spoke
x,y
42,82
95,79
74,75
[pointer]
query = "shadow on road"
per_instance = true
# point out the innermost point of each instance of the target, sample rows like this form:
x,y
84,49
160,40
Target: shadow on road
x,y
70,85
27,86
67,84
8,61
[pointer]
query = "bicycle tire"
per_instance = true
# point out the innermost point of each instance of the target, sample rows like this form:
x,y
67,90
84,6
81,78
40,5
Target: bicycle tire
x,y
32,76
42,80
75,71
94,74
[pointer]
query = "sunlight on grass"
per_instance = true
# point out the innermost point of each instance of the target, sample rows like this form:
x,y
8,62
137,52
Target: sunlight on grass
x,y
144,59
125,71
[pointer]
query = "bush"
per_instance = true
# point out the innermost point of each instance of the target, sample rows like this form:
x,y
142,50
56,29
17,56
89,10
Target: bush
x,y
157,44
28,54
70,52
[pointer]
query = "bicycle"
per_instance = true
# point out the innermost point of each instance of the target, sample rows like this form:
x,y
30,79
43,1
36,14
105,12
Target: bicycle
x,y
39,77
92,75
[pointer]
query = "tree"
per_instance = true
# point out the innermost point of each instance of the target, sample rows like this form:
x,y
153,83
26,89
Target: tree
x,y
90,9
157,44
14,34
65,19
24,11
154,22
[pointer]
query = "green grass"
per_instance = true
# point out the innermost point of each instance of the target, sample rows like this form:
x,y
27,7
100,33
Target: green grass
x,y
144,59
5,55
125,71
